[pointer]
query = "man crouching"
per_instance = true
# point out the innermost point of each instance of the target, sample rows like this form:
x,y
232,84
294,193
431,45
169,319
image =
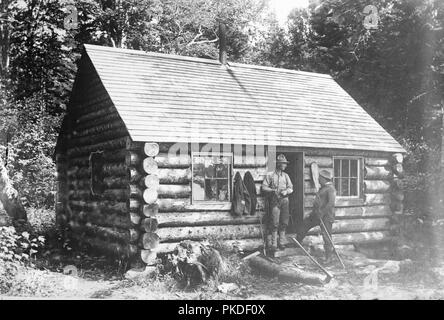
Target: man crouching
x,y
277,187
323,208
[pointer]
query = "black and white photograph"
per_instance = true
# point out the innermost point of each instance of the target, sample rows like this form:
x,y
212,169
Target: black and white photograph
x,y
221,153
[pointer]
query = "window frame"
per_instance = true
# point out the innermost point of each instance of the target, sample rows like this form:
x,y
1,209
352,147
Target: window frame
x,y
230,176
359,176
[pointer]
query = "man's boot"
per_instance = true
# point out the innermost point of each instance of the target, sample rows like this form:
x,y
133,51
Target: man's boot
x,y
282,240
273,246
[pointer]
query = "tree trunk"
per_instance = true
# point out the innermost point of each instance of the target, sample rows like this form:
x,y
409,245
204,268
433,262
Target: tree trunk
x,y
9,196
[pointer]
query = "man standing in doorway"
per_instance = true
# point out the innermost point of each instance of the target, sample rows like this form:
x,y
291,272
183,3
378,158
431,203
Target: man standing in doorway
x,y
323,208
277,186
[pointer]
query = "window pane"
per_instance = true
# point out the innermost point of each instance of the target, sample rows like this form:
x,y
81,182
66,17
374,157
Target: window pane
x,y
337,185
210,171
354,168
222,188
353,187
210,189
211,178
345,168
337,166
222,170
198,188
344,187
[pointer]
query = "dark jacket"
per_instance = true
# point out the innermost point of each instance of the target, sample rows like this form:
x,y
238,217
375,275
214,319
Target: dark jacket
x,y
324,203
251,187
241,197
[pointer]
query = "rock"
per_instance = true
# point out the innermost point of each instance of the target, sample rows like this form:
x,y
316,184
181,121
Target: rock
x,y
227,287
137,274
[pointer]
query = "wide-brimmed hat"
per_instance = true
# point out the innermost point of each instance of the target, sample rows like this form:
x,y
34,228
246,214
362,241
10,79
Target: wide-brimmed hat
x,y
281,159
326,174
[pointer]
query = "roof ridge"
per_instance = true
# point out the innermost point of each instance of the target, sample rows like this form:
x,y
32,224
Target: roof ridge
x,y
204,60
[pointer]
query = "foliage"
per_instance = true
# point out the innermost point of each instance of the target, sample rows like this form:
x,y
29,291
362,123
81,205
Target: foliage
x,y
19,247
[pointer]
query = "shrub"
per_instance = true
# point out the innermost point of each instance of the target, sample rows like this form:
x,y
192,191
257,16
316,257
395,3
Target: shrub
x,y
21,248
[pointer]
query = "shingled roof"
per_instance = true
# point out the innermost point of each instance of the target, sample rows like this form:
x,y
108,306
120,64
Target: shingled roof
x,y
169,98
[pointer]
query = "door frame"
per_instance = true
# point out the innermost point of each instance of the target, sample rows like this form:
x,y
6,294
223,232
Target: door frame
x,y
295,170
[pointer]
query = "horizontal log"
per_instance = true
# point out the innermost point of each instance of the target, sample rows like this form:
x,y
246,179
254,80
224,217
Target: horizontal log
x,y
206,232
136,146
307,173
103,210
108,220
362,212
148,256
118,143
151,149
92,123
168,205
325,162
108,194
98,129
114,169
113,182
377,198
376,186
132,159
257,173
150,210
149,224
151,181
357,225
99,137
106,233
398,170
134,205
174,191
254,244
104,246
397,157
135,218
376,161
150,196
377,173
165,160
150,240
110,156
97,113
197,218
174,176
134,191
353,238
150,166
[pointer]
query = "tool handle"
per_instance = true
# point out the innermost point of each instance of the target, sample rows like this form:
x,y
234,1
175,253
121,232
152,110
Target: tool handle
x,y
312,259
332,244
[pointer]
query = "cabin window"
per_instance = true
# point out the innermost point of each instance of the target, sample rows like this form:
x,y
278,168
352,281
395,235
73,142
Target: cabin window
x,y
211,177
96,161
347,177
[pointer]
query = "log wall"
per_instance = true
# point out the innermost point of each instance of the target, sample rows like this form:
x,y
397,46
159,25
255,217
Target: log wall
x,y
100,221
371,218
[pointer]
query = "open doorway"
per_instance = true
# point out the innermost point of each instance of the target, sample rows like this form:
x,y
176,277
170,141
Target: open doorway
x,y
295,170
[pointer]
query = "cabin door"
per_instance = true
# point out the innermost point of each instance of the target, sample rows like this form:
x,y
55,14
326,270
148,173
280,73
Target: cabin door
x,y
295,170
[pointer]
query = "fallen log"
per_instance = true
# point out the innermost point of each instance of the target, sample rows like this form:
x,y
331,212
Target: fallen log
x,y
288,275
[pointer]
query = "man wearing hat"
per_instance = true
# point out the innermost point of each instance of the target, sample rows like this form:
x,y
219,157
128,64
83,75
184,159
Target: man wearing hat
x,y
323,208
277,186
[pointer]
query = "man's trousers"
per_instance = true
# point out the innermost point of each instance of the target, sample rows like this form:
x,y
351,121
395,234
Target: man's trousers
x,y
312,221
280,214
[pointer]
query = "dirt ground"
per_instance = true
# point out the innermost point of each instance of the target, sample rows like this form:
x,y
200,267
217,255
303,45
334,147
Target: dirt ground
x,y
97,279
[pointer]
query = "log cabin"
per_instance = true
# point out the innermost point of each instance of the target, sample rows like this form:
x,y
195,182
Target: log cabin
x,y
151,142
